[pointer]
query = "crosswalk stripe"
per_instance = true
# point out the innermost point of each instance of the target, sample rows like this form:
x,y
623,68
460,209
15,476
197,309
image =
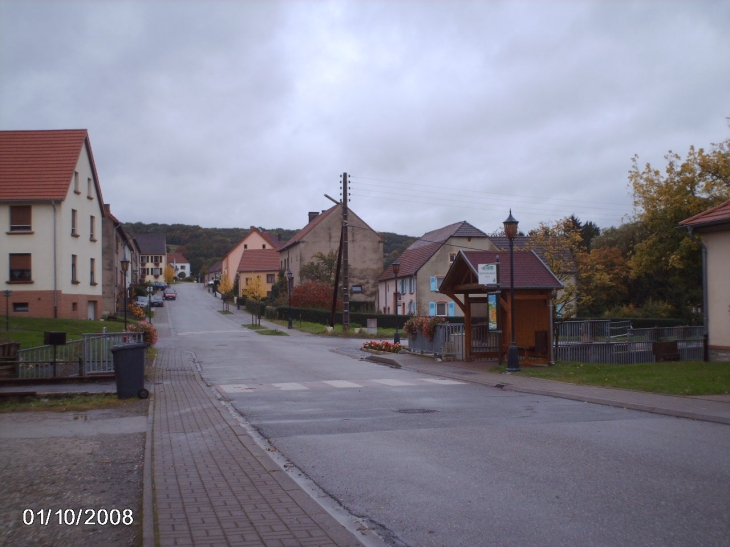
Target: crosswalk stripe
x,y
443,381
394,383
341,383
290,386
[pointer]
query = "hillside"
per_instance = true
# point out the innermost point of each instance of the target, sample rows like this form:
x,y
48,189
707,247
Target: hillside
x,y
203,247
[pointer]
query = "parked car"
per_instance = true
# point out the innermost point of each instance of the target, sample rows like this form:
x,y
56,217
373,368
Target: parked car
x,y
159,285
142,301
157,301
170,294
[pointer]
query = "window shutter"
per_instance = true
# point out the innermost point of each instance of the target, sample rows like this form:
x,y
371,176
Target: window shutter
x,y
451,309
434,287
432,308
20,216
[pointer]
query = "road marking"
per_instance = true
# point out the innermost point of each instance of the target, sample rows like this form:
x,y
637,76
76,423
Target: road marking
x,y
290,386
394,383
443,381
341,383
240,331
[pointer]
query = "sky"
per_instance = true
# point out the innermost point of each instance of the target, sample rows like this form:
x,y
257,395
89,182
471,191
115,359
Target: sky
x,y
238,113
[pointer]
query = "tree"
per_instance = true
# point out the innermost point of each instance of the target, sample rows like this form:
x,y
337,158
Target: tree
x,y
225,287
559,245
169,274
254,289
661,200
603,276
321,269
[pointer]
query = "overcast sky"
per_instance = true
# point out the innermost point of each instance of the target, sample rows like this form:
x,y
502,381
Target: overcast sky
x,y
240,113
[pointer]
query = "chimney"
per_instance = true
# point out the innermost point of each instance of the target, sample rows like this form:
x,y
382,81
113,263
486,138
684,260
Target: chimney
x,y
313,215
107,208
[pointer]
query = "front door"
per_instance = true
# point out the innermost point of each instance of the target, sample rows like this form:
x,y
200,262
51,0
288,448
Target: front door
x,y
92,310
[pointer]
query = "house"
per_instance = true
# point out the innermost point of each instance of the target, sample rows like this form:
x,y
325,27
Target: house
x,y
117,245
423,266
51,208
214,272
713,226
255,239
322,235
490,300
258,266
153,257
179,264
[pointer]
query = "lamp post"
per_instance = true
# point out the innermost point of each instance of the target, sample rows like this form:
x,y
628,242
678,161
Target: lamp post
x,y
7,295
396,268
125,269
149,301
289,279
510,230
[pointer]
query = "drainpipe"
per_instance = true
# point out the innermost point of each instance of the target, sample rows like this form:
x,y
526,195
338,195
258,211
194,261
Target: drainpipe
x,y
705,311
55,268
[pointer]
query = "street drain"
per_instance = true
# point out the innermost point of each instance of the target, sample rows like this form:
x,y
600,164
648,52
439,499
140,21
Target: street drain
x,y
416,411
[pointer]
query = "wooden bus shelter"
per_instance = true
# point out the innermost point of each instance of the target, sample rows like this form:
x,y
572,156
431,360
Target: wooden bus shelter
x,y
534,287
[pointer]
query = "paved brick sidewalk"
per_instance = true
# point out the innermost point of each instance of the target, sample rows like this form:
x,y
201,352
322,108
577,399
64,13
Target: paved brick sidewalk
x,y
213,485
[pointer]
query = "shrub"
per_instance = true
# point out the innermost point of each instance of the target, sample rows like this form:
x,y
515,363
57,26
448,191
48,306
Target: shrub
x,y
424,324
316,295
136,311
150,332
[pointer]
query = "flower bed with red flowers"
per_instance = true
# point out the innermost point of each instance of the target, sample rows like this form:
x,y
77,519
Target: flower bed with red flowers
x,y
382,345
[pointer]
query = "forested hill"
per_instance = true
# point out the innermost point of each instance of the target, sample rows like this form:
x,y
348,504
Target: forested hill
x,y
204,247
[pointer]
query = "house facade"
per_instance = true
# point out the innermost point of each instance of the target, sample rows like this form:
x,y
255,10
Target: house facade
x,y
258,268
423,267
255,239
180,265
322,235
51,208
153,257
713,226
118,245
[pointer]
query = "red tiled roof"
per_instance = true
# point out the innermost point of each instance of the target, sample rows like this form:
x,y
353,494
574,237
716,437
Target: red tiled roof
x,y
719,214
530,271
176,258
421,250
152,243
39,165
259,260
217,267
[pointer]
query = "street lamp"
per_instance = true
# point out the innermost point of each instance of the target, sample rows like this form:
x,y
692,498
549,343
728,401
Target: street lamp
x,y
396,268
510,230
125,269
289,280
7,295
150,290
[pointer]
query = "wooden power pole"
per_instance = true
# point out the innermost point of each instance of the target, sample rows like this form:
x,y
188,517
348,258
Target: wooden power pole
x,y
345,260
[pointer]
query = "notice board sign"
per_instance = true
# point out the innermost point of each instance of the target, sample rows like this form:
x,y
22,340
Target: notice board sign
x,y
487,274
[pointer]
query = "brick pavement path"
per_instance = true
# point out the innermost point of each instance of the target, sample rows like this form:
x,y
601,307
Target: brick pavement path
x,y
213,485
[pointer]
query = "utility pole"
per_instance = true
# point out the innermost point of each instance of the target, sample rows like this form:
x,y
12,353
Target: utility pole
x,y
345,260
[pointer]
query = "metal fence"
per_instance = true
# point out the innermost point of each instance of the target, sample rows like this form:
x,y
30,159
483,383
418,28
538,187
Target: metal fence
x,y
448,341
91,355
606,342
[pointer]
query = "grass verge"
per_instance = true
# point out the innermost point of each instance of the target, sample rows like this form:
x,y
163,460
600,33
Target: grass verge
x,y
63,403
29,330
673,378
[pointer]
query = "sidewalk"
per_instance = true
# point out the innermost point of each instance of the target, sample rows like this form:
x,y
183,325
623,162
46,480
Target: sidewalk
x,y
213,485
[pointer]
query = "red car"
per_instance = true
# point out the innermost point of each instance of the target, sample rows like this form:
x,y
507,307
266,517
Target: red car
x,y
170,294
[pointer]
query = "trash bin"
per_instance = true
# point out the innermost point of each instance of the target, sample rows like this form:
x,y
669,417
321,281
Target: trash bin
x,y
129,370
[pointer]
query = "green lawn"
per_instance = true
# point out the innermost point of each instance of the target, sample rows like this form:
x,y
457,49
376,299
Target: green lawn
x,y
674,378
29,330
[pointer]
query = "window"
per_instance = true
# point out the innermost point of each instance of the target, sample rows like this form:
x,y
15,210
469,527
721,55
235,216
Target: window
x,y
20,218
440,308
74,215
92,267
452,257
76,183
92,228
20,306
20,270
245,246
143,259
412,287
436,283
73,269
271,278
263,246
89,189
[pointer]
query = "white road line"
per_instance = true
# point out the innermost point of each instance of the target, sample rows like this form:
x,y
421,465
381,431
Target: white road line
x,y
443,381
341,383
240,331
236,388
290,386
394,383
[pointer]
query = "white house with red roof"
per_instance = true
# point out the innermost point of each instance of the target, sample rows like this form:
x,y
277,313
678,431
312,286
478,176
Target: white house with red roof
x,y
51,211
179,264
423,266
713,226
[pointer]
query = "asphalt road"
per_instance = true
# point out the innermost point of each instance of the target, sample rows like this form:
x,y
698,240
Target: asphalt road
x,y
437,462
